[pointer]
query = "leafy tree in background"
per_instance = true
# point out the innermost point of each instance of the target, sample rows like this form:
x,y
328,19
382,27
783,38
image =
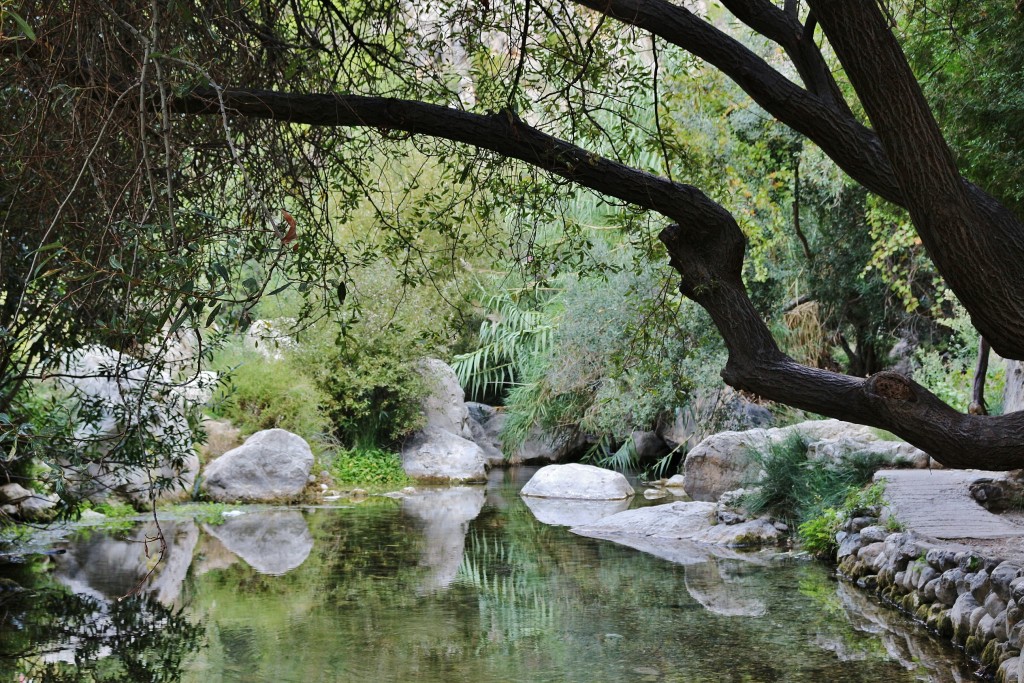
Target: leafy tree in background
x,y
178,131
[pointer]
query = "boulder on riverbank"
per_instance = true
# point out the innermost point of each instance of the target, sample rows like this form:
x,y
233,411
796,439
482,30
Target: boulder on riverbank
x,y
19,503
682,521
485,424
723,462
437,454
125,396
578,482
271,466
444,449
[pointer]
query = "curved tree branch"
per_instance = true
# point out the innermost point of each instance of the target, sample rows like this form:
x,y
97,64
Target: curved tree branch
x,y
706,249
977,244
855,148
502,132
887,400
785,29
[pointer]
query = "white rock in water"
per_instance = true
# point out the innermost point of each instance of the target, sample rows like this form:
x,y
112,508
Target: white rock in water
x,y
439,454
576,481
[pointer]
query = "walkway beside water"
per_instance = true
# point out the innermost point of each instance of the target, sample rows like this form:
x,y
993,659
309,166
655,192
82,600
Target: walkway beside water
x,y
937,503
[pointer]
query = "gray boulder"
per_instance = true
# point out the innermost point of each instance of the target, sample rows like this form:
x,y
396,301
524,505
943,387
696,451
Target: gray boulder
x,y
27,505
444,407
723,461
125,393
452,446
221,437
272,465
579,482
543,446
488,443
649,446
435,453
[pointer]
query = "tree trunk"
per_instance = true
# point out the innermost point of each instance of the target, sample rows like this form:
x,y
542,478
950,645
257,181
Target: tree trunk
x,y
1013,392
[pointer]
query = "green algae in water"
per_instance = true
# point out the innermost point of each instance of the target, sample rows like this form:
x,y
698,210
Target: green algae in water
x,y
463,584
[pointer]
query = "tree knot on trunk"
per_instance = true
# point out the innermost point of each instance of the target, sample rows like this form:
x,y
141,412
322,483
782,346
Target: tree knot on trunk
x,y
892,386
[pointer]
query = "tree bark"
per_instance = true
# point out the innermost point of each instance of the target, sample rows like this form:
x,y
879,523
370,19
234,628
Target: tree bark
x,y
977,244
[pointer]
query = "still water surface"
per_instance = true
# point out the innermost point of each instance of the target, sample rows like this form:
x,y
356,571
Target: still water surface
x,y
454,585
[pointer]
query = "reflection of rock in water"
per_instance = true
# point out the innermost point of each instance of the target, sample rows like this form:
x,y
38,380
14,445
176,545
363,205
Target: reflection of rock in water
x,y
271,542
897,634
565,512
446,514
108,568
719,586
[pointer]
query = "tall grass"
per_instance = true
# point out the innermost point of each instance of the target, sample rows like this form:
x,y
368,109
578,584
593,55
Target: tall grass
x,y
796,489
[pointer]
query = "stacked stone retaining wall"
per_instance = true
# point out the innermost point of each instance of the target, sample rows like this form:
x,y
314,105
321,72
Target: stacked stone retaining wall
x,y
975,601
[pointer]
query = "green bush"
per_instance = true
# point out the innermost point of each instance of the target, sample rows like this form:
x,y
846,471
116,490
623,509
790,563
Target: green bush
x,y
814,497
818,533
368,467
263,393
365,363
625,351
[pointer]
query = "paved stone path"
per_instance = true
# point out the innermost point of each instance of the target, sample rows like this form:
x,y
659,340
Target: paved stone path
x,y
937,503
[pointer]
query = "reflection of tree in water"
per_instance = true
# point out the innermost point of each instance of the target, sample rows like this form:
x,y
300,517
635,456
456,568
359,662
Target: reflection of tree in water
x,y
55,635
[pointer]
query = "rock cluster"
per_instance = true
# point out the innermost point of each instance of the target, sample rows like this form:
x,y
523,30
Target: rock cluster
x,y
976,601
723,462
17,502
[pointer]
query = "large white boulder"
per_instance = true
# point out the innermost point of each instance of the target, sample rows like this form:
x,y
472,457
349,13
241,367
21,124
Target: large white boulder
x,y
445,403
435,453
272,465
576,481
121,396
452,446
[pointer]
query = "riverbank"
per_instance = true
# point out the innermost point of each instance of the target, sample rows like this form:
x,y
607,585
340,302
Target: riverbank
x,y
955,566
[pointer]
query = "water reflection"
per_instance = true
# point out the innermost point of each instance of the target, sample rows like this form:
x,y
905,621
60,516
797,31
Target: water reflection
x,y
445,514
269,541
108,567
562,512
460,584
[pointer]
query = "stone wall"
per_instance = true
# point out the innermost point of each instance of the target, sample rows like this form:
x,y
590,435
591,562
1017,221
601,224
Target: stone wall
x,y
977,602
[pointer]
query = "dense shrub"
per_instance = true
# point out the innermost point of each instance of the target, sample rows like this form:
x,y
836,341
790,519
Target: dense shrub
x,y
263,393
812,496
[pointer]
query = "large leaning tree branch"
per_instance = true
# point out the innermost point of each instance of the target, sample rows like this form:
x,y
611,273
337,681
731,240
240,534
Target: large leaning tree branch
x,y
977,244
706,247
